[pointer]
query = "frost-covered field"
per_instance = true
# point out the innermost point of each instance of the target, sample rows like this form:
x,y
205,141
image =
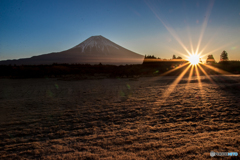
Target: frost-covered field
x,y
119,118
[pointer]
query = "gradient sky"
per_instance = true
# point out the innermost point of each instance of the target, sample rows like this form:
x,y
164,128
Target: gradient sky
x,y
160,28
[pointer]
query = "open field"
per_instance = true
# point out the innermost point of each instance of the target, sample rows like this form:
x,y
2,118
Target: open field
x,y
119,118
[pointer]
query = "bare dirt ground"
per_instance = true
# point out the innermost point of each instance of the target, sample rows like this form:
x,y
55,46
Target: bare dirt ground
x,y
119,118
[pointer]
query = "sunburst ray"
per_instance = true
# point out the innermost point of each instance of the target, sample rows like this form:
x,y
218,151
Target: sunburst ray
x,y
199,81
170,30
217,70
170,89
204,72
172,70
204,24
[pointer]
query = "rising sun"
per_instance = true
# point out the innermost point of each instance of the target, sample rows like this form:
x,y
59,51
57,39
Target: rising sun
x,y
194,59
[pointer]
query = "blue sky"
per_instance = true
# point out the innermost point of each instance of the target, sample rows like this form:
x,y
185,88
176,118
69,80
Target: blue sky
x,y
160,28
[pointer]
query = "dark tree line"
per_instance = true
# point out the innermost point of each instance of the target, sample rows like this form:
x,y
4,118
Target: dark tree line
x,y
174,57
153,57
224,56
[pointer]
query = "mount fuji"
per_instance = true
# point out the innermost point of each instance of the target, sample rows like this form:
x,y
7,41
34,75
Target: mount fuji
x,y
94,50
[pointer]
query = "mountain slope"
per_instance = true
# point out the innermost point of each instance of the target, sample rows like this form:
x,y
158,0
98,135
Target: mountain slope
x,y
93,50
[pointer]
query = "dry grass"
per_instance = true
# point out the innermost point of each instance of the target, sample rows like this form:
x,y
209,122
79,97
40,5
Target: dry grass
x,y
117,119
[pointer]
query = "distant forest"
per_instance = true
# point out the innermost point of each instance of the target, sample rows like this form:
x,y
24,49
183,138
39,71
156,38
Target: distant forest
x,y
87,71
154,67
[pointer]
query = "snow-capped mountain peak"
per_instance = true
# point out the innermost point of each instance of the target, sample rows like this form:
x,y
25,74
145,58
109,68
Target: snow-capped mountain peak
x,y
98,42
94,50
